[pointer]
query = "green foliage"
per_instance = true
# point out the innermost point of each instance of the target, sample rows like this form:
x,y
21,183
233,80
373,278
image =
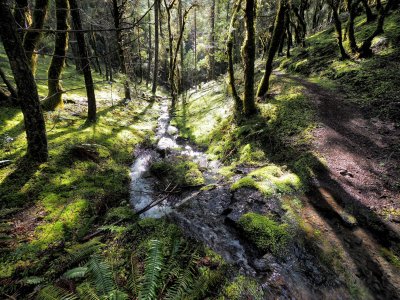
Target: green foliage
x,y
265,233
52,292
178,172
152,275
243,288
391,257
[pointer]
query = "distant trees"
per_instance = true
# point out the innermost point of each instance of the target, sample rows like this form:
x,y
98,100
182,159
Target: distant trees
x,y
27,90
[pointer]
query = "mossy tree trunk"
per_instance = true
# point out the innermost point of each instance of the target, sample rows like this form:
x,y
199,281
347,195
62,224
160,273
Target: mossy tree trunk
x,y
289,40
87,73
248,57
156,45
54,97
27,90
351,7
10,87
365,49
32,38
149,46
117,13
211,52
231,71
273,47
370,16
334,4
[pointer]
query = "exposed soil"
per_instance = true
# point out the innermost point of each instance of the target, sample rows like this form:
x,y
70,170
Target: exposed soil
x,y
355,197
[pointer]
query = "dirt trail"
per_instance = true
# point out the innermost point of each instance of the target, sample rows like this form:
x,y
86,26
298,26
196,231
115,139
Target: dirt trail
x,y
355,197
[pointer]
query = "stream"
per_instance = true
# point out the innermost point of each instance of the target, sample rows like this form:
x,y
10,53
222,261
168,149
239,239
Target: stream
x,y
210,216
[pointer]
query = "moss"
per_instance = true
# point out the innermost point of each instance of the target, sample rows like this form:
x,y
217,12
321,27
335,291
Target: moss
x,y
178,172
270,180
243,288
265,233
391,257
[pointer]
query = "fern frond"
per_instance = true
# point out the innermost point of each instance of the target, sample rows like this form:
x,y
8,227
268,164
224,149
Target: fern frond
x,y
183,285
117,295
102,275
154,263
33,280
52,292
7,211
78,272
87,292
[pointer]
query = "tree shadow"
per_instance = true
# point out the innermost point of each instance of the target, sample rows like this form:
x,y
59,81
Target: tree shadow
x,y
11,186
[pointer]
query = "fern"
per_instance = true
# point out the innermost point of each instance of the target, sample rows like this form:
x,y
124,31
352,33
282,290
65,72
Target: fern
x,y
34,280
154,263
78,272
87,292
102,275
7,211
52,292
117,295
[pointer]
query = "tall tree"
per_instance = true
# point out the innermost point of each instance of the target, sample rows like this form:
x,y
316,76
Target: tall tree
x,y
33,36
156,45
231,70
87,72
273,47
211,51
22,16
248,56
118,13
335,4
54,97
149,47
27,90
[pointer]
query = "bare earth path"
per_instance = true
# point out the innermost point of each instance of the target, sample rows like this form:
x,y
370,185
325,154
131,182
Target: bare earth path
x,y
355,199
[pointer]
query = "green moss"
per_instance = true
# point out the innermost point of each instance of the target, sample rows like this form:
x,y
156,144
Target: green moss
x,y
243,288
178,171
265,233
391,257
270,180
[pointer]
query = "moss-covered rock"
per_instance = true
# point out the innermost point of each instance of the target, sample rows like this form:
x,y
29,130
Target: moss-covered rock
x,y
178,172
265,233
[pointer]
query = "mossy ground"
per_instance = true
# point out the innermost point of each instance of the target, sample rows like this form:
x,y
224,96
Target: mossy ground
x,y
371,83
48,210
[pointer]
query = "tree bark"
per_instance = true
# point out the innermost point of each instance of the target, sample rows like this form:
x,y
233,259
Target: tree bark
x,y
273,47
351,7
11,89
231,71
22,16
149,47
156,45
211,52
32,38
370,16
334,4
248,56
54,97
87,73
365,49
117,14
27,90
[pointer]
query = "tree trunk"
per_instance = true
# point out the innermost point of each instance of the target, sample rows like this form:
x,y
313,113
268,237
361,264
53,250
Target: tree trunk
x,y
117,14
211,52
351,7
338,27
149,47
54,97
370,16
248,56
87,73
181,53
11,89
22,16
195,47
273,47
288,33
231,71
27,90
32,38
156,45
365,49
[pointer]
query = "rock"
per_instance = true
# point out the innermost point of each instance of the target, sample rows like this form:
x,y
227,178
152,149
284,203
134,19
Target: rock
x,y
172,130
261,265
5,163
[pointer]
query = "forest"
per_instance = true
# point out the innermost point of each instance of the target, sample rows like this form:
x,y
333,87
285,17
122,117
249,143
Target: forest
x,y
199,149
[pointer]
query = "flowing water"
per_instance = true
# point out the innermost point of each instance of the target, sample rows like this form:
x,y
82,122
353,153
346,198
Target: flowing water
x,y
210,216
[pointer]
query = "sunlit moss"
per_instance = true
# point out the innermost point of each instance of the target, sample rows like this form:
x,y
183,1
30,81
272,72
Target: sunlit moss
x,y
265,233
243,288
